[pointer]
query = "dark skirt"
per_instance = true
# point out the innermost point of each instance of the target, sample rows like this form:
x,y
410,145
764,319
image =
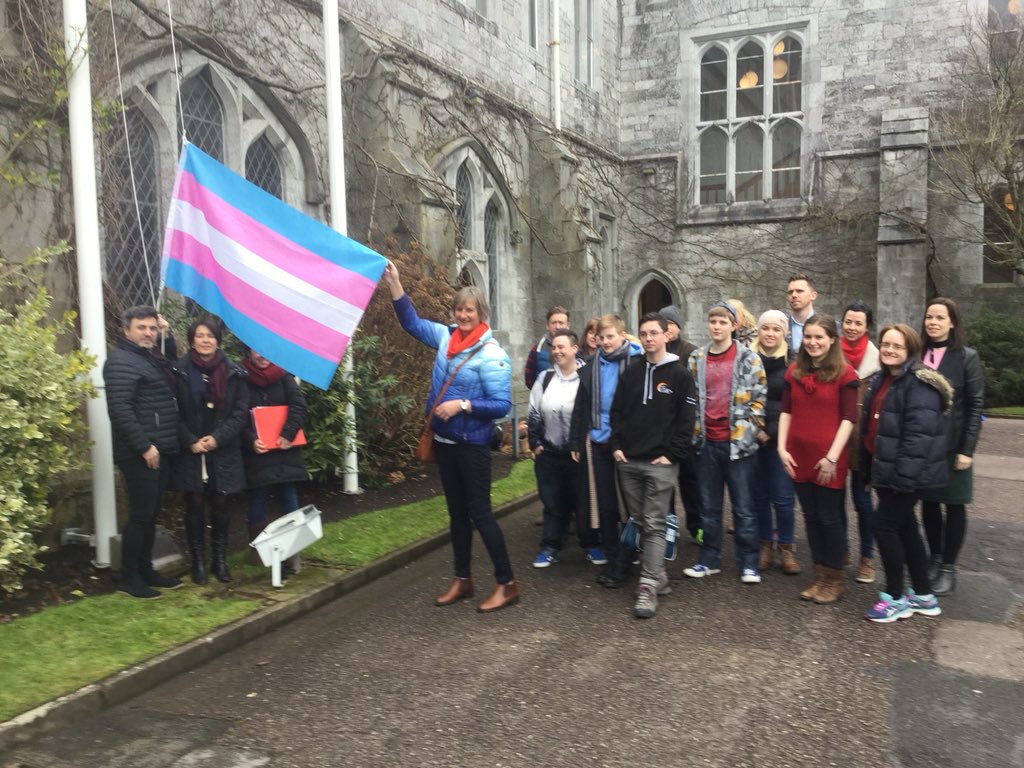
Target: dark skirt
x,y
960,489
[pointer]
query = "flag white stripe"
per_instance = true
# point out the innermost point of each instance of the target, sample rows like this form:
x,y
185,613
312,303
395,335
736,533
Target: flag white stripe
x,y
250,267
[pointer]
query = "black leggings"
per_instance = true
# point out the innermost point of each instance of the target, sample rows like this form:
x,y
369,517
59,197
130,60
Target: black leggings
x,y
899,542
945,534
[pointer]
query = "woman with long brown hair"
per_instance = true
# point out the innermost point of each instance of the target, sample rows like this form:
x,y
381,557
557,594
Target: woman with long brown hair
x,y
819,407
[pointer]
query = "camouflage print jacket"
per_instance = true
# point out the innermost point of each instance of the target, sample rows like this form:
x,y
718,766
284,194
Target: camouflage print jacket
x,y
749,390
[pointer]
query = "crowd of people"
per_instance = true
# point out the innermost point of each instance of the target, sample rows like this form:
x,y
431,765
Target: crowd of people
x,y
642,432
635,440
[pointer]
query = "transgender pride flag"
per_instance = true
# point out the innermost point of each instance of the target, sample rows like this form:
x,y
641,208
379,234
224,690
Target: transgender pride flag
x,y
290,287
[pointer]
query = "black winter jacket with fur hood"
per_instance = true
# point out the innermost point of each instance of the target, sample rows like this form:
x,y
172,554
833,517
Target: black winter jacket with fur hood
x,y
910,448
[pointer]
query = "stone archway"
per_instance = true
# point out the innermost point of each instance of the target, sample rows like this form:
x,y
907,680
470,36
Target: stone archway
x,y
653,296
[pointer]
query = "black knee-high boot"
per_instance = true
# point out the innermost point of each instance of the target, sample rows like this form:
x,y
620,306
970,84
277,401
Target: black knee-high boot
x,y
221,522
195,532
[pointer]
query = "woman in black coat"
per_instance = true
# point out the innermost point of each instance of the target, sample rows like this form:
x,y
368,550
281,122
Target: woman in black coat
x,y
903,455
213,404
945,351
275,467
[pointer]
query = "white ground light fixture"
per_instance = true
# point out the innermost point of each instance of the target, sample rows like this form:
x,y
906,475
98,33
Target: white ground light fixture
x,y
287,536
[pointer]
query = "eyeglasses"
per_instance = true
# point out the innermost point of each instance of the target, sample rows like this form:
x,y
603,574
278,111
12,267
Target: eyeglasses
x,y
893,347
650,334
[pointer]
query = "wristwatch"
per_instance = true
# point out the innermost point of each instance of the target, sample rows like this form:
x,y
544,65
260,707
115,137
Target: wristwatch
x,y
465,405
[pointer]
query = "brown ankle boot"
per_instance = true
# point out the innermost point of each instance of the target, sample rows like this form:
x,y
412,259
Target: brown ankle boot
x,y
459,589
767,558
812,591
832,588
866,571
503,596
790,566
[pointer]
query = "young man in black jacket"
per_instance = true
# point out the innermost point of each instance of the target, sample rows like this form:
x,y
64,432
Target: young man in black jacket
x,y
652,418
144,421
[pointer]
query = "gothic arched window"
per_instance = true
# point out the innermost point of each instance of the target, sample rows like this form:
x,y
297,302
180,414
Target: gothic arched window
x,y
204,116
464,210
262,167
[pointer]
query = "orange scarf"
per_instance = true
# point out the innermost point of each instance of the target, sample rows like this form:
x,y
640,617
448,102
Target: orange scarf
x,y
460,342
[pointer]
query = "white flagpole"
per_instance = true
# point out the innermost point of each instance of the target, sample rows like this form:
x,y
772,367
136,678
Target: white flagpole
x,y
90,281
339,211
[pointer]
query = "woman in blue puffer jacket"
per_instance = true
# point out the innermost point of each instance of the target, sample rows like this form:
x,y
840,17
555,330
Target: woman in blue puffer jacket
x,y
463,424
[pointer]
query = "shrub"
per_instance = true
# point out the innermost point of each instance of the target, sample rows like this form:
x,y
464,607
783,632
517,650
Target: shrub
x,y
42,431
999,339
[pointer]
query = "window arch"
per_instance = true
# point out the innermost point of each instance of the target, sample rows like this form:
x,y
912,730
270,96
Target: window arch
x,y
480,213
750,129
262,167
203,115
132,251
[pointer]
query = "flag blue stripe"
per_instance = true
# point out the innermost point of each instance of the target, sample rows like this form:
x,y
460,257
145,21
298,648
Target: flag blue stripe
x,y
303,363
277,215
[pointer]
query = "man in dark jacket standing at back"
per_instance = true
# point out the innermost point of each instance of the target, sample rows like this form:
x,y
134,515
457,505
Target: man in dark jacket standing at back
x,y
144,420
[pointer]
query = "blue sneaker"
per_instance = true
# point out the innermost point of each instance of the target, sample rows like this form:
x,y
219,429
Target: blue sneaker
x,y
750,576
889,609
596,556
700,571
545,558
926,605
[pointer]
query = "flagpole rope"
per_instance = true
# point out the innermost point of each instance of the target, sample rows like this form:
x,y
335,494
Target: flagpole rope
x,y
131,163
177,72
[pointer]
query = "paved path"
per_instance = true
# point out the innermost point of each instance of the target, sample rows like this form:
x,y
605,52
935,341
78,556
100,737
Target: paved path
x,y
726,674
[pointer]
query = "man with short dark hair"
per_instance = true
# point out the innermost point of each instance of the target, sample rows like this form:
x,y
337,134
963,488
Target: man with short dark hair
x,y
801,296
539,359
144,420
652,420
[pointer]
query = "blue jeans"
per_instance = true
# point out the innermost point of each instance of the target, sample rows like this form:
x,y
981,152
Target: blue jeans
x,y
772,487
865,506
718,470
287,499
466,478
558,485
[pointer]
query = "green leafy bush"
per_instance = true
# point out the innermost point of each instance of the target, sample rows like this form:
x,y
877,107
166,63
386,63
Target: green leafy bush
x,y
42,430
999,339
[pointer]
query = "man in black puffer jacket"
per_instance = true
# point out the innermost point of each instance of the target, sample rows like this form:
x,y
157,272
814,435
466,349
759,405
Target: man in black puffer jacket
x,y
144,420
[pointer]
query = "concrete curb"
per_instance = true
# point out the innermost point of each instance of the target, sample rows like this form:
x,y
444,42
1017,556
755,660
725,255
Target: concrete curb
x,y
128,683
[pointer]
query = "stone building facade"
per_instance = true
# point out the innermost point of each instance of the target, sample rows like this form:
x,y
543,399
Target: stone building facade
x,y
682,151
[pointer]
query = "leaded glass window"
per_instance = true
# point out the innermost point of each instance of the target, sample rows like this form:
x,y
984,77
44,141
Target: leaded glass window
x,y
204,116
464,208
491,249
133,234
262,167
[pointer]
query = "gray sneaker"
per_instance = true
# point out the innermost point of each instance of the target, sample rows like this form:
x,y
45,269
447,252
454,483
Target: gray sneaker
x,y
664,588
646,602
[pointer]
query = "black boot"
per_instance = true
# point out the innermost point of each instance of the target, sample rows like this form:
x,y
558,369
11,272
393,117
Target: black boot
x,y
221,522
934,562
945,582
195,532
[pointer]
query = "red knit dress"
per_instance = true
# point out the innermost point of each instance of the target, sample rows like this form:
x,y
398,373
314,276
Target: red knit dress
x,y
815,414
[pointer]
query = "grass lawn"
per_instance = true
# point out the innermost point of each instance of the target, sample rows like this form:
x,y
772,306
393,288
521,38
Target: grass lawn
x,y
60,649
1009,410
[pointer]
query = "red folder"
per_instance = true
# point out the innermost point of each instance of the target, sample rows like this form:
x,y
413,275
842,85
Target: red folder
x,y
267,422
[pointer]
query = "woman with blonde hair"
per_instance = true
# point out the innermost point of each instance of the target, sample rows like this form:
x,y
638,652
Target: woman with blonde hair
x,y
470,388
772,486
747,330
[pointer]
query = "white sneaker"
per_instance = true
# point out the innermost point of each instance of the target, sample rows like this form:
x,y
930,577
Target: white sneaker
x,y
750,576
700,571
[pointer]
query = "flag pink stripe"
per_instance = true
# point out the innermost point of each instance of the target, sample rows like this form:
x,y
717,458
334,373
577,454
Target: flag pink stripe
x,y
271,314
278,250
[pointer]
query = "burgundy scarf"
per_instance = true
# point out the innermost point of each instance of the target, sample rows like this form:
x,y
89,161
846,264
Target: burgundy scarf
x,y
209,378
263,377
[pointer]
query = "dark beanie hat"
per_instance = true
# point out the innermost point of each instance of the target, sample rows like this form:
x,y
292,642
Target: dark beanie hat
x,y
671,315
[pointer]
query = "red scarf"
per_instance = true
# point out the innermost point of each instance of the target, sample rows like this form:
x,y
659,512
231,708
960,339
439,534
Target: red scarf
x,y
855,352
263,377
460,342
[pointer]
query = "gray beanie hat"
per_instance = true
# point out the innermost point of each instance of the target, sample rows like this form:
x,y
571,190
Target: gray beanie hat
x,y
671,315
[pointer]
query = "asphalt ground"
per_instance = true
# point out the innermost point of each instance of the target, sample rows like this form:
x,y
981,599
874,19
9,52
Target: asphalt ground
x,y
726,674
